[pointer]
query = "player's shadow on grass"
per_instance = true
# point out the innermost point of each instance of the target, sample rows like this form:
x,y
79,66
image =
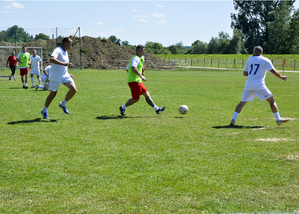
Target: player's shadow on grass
x,y
238,127
118,117
37,120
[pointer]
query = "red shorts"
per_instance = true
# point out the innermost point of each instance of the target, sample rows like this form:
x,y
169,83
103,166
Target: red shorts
x,y
24,71
137,89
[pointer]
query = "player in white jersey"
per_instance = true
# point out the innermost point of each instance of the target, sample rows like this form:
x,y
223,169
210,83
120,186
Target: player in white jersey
x,y
45,79
59,74
36,67
255,70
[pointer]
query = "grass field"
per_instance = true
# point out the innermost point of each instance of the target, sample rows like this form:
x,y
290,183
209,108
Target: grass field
x,y
94,161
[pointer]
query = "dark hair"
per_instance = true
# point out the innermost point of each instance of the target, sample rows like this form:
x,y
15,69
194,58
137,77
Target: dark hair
x,y
66,40
139,47
259,49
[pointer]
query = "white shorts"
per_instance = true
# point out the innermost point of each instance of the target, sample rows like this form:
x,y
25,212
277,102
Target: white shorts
x,y
249,95
54,85
35,72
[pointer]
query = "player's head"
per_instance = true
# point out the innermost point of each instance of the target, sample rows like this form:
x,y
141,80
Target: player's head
x,y
140,50
13,53
258,50
34,52
24,49
67,43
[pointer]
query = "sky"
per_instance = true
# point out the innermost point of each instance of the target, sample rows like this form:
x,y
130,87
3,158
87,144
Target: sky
x,y
166,22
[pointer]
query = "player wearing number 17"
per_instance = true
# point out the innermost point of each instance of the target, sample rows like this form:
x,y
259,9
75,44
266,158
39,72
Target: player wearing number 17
x,y
255,70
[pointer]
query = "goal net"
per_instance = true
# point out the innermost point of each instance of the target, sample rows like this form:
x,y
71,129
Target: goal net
x,y
6,51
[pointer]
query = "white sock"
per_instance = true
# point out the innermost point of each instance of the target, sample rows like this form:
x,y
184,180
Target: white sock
x,y
45,109
235,115
124,106
277,116
38,81
156,108
14,77
32,80
63,103
25,84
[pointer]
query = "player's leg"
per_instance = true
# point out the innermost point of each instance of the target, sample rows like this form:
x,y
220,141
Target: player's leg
x,y
135,92
13,70
274,109
72,91
149,100
32,79
38,79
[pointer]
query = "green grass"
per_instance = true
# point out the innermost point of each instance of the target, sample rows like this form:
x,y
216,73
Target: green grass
x,y
94,161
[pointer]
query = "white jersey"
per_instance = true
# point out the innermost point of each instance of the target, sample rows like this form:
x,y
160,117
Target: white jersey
x,y
257,67
35,61
58,72
44,76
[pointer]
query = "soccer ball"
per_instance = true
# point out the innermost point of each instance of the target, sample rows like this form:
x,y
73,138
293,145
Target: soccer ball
x,y
183,109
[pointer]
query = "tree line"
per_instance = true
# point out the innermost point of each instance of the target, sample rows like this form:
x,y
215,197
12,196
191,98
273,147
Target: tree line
x,y
274,25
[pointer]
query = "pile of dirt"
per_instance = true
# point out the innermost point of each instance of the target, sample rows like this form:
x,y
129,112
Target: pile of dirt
x,y
95,54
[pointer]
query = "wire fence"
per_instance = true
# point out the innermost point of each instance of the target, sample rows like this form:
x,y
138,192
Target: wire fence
x,y
291,65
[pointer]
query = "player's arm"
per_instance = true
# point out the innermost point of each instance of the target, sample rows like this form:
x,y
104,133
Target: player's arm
x,y
135,70
19,60
57,62
45,72
41,65
245,73
277,74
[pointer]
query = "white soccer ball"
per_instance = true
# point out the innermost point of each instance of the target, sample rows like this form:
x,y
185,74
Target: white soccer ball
x,y
183,109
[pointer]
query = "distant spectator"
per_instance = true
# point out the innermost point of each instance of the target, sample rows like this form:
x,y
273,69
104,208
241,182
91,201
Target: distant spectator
x,y
12,63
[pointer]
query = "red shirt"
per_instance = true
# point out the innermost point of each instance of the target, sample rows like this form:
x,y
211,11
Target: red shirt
x,y
12,60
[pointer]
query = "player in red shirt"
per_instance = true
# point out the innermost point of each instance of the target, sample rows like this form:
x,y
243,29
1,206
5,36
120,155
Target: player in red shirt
x,y
12,62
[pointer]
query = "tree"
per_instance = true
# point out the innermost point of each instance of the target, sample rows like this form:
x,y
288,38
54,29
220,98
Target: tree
x,y
42,36
254,19
16,34
293,33
236,44
213,46
114,40
154,48
198,47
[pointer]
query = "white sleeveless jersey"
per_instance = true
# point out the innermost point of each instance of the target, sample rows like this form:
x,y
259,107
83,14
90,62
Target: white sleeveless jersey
x,y
257,67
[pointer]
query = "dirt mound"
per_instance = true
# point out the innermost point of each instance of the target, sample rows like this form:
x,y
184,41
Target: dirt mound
x,y
96,54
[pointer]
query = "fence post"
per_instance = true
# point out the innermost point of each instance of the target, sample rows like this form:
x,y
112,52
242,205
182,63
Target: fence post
x,y
234,62
226,63
204,62
218,62
294,64
282,65
242,63
211,62
191,61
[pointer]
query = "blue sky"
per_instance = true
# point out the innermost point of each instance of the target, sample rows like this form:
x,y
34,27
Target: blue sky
x,y
138,22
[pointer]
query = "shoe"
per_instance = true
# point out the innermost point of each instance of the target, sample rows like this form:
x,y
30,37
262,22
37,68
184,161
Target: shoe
x,y
36,87
281,121
9,78
33,86
64,108
45,115
232,122
26,87
23,86
122,111
160,110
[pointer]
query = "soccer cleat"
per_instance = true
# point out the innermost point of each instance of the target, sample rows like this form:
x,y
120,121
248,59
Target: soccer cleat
x,y
281,121
9,78
64,108
232,122
26,87
45,115
122,111
160,110
33,86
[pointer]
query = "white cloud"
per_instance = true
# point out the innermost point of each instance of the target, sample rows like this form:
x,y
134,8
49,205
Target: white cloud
x,y
100,23
7,7
143,20
162,22
159,5
157,15
134,10
17,6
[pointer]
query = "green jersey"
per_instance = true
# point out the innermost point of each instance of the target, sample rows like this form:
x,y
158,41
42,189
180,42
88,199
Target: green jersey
x,y
25,59
138,62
